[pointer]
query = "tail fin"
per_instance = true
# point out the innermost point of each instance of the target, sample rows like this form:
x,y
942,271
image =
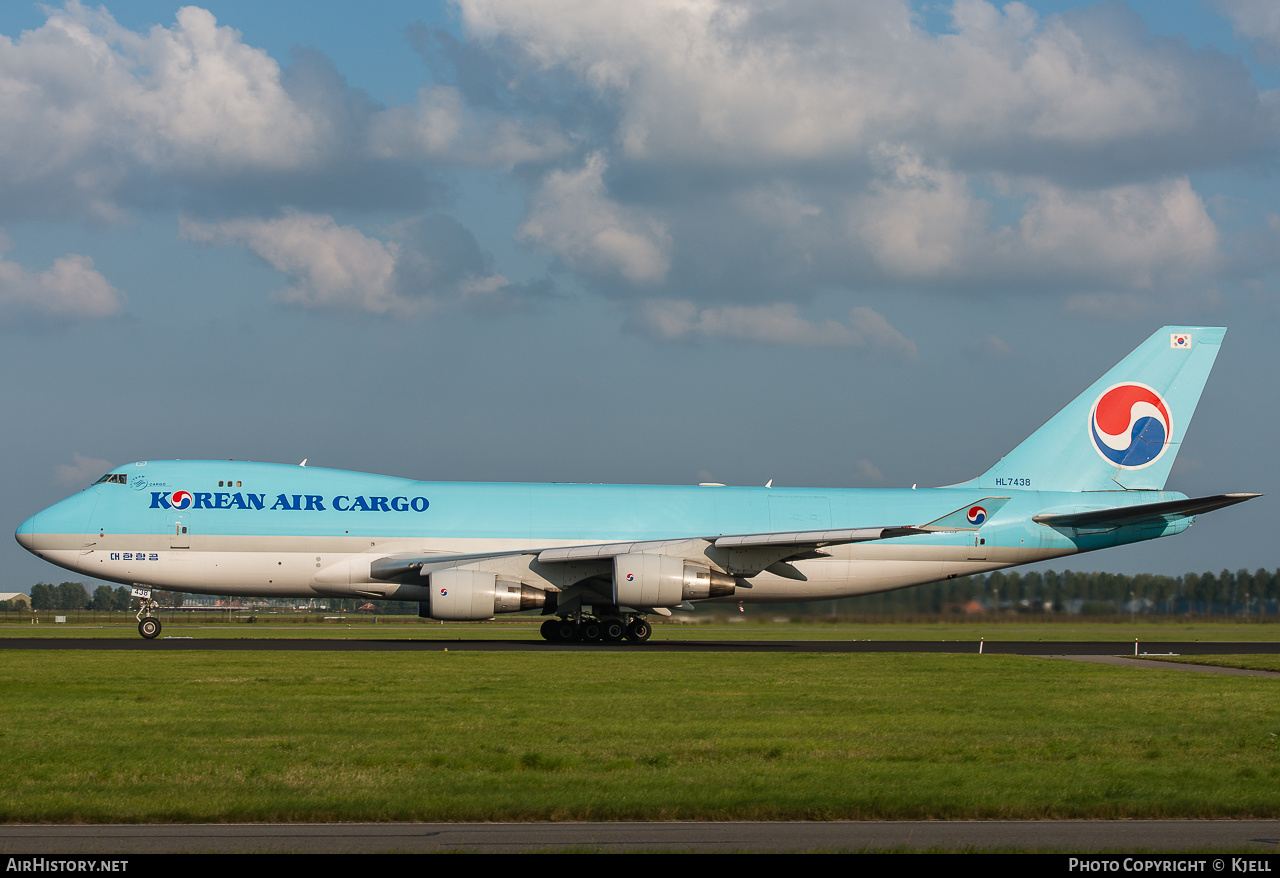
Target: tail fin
x,y
1125,430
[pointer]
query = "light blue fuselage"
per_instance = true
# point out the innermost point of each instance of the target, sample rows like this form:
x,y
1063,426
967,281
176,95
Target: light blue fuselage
x,y
231,527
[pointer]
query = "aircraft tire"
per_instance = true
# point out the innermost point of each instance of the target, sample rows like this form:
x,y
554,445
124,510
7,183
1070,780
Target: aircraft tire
x,y
149,628
591,631
566,631
614,631
548,629
639,631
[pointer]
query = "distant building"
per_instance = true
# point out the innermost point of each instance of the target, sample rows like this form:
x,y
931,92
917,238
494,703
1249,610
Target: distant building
x,y
15,596
970,607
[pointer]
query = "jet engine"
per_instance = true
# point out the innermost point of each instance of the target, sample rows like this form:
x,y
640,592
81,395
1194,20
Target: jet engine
x,y
472,595
645,580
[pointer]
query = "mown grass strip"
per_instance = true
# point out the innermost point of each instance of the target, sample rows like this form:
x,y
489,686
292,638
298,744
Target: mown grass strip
x,y
1149,631
1244,662
196,736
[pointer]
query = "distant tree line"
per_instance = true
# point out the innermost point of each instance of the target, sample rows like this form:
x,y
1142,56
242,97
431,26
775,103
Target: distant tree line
x,y
1073,592
1095,593
73,596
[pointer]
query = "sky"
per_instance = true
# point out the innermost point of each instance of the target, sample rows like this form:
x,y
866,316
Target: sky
x,y
819,243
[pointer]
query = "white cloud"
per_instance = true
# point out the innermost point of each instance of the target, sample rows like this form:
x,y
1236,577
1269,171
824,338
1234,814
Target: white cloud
x,y
94,116
737,153
1133,235
1257,20
206,98
755,82
918,222
870,330
70,290
781,324
84,102
990,347
331,265
757,147
866,471
922,223
572,215
334,266
441,127
81,471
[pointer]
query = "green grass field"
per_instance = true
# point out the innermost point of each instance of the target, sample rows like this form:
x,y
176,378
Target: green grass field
x,y
724,627
334,736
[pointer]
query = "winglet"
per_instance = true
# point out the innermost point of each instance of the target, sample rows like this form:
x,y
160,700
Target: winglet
x,y
971,516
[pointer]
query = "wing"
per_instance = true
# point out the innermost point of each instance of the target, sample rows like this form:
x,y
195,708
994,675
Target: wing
x,y
739,555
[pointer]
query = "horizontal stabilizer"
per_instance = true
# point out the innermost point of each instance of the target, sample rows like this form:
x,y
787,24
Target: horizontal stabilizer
x,y
1120,516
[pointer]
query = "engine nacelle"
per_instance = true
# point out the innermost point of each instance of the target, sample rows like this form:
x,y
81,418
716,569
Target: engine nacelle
x,y
472,595
644,580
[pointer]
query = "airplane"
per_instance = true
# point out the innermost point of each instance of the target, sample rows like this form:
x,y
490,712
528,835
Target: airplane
x,y
599,560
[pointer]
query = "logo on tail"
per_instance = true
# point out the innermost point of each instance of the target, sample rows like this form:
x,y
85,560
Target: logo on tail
x,y
1130,425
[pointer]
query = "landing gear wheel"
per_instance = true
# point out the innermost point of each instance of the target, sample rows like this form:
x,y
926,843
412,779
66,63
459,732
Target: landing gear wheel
x,y
614,631
566,631
639,631
149,628
548,629
590,631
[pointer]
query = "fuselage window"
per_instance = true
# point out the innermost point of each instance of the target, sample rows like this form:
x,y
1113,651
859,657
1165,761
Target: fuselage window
x,y
113,479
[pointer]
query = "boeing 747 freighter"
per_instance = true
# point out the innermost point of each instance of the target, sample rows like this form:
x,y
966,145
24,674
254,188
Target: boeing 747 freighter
x,y
597,560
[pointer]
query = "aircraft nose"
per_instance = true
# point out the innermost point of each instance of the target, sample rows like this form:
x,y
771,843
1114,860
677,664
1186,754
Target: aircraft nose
x,y
60,526
26,533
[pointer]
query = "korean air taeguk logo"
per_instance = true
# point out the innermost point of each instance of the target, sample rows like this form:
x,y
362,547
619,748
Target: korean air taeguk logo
x,y
1130,425
180,499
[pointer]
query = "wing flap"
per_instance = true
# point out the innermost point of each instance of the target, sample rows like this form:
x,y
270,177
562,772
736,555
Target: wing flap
x,y
398,567
813,538
610,550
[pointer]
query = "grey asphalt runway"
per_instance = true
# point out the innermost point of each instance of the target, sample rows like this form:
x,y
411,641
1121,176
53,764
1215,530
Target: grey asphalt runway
x,y
1077,836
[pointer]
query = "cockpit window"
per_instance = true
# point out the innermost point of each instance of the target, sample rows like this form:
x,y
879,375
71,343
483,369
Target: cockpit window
x,y
113,478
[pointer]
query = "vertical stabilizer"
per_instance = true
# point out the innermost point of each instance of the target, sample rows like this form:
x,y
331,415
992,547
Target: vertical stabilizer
x,y
1125,430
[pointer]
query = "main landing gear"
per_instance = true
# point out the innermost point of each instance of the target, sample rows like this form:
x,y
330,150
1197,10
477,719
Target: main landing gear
x,y
148,624
566,630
